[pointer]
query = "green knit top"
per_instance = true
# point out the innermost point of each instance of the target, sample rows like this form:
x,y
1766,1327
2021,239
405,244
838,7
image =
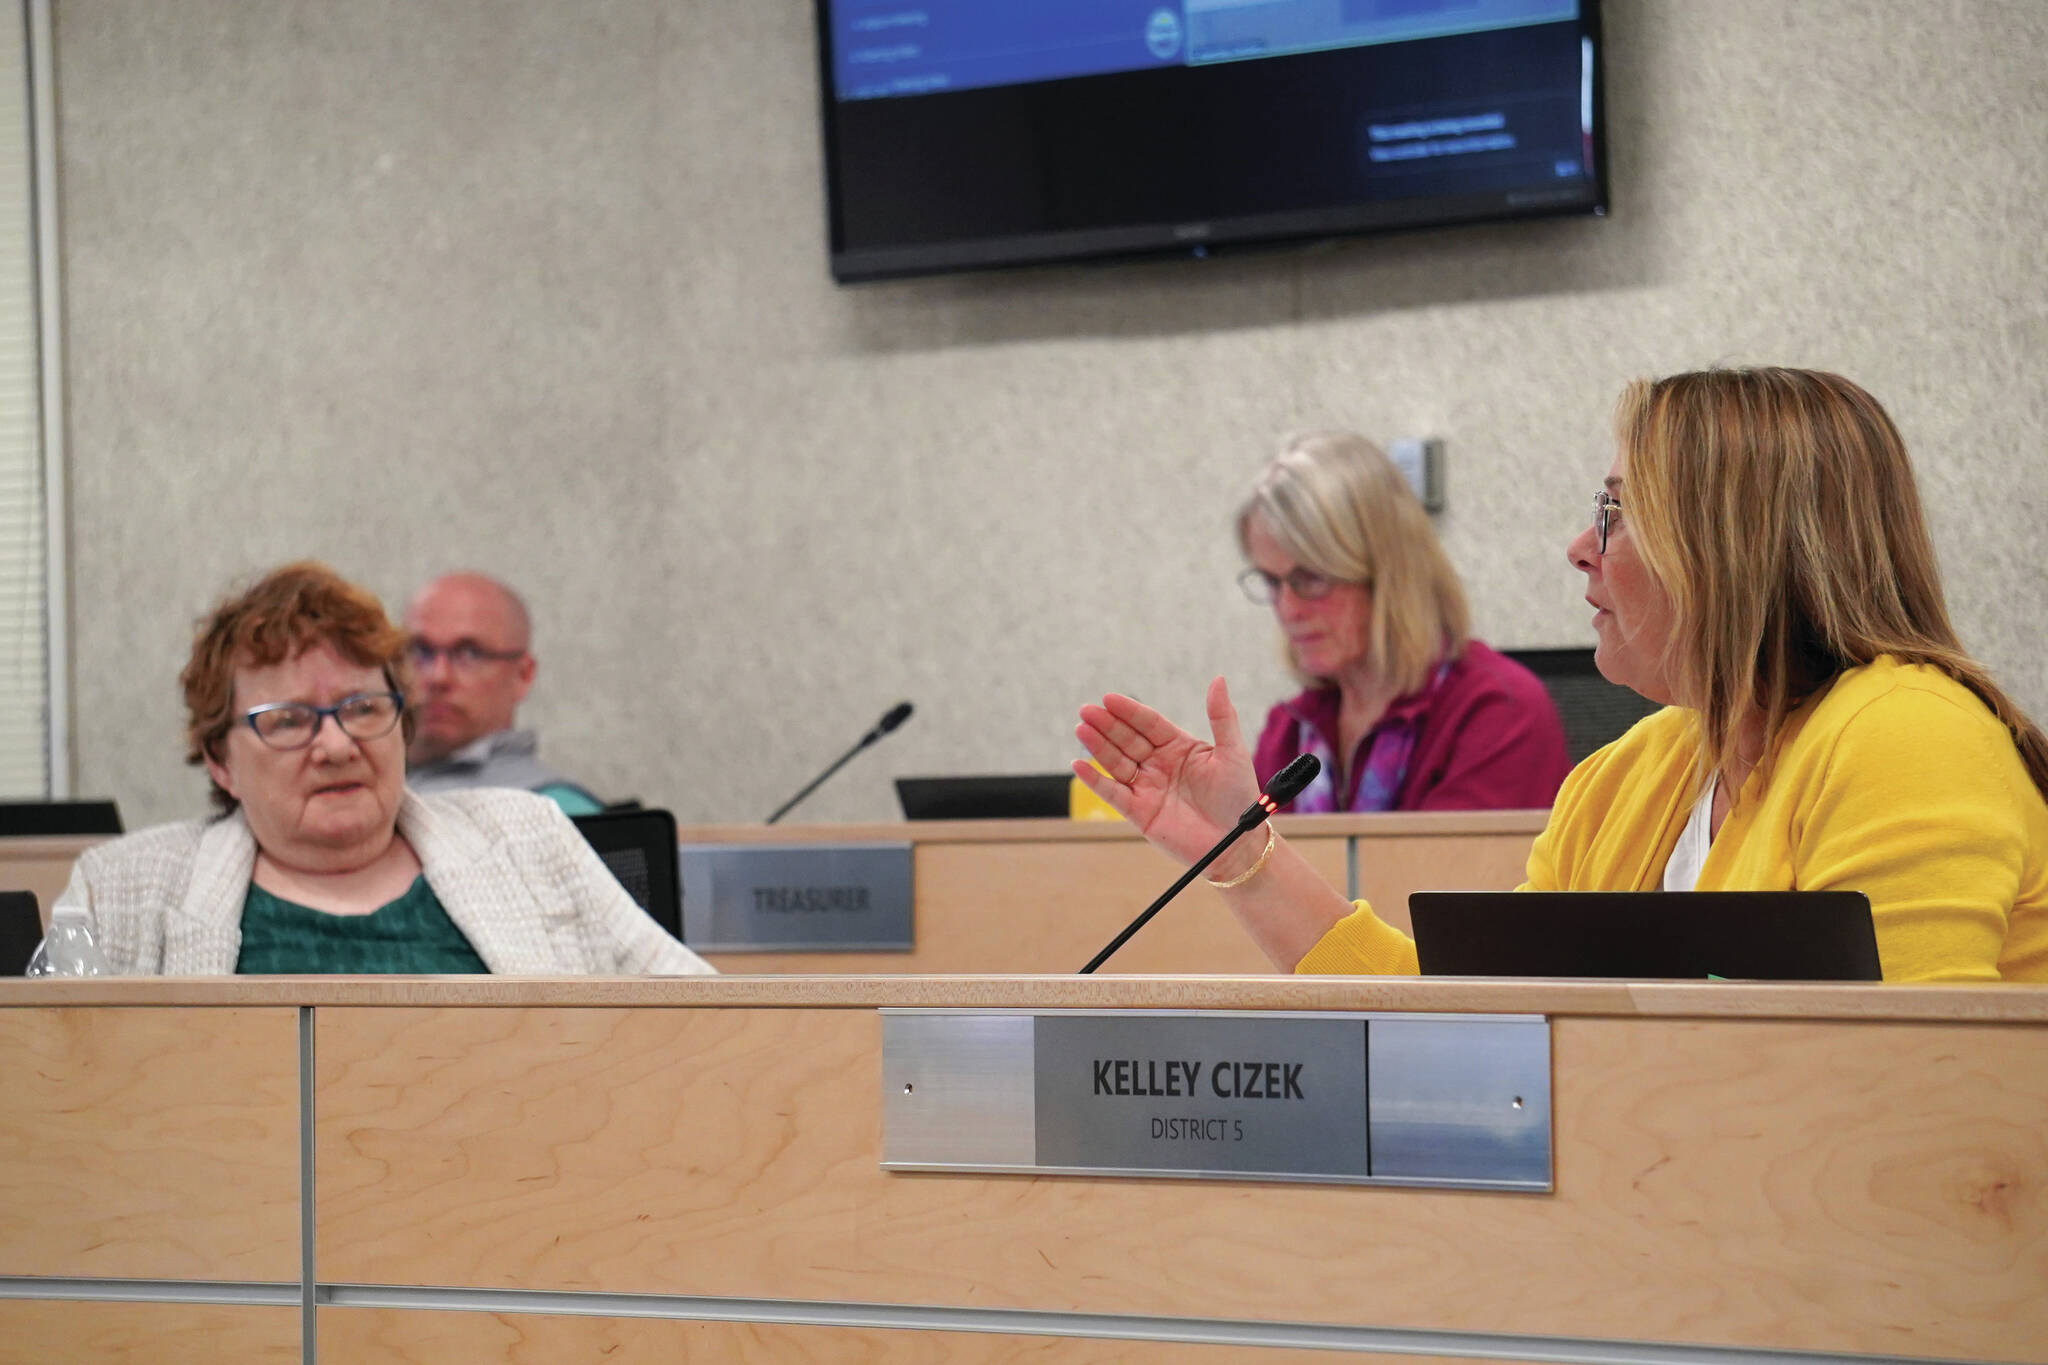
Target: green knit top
x,y
411,935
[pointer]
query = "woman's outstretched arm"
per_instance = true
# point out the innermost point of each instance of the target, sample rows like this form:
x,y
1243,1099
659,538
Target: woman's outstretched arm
x,y
1183,795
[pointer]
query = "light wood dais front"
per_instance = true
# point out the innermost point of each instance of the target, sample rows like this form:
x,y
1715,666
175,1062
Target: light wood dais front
x,y
49,1331
361,1336
1822,1186
151,1143
1041,896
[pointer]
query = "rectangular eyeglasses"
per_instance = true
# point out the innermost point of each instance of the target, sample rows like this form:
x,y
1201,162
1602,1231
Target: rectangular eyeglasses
x,y
292,724
1605,508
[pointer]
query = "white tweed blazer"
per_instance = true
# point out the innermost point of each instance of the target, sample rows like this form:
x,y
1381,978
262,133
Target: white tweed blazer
x,y
509,868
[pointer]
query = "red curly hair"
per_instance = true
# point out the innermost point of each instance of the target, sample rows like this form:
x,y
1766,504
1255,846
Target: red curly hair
x,y
285,613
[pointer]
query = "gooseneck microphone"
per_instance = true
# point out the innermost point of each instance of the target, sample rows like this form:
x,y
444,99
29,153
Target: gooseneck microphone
x,y
895,716
1285,786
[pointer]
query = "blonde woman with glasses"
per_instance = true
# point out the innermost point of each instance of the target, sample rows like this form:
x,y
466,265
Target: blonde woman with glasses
x,y
1758,563
1403,708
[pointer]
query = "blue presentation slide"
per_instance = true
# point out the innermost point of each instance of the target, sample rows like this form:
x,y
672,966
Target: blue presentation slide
x,y
887,47
884,48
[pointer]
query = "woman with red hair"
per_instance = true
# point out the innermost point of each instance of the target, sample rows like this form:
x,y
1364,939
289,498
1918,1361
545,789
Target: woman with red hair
x,y
320,859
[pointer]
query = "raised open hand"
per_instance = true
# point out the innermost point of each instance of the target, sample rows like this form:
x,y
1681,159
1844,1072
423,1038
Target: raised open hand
x,y
1182,794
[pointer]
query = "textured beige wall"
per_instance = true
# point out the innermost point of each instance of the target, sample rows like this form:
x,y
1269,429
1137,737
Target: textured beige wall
x,y
540,287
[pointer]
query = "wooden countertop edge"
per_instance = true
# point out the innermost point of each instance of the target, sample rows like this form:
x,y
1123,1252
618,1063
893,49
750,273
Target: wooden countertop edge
x,y
1396,824
1660,999
50,845
1388,825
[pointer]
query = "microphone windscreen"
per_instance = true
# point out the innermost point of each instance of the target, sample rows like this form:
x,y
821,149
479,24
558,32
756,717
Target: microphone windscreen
x,y
898,713
1288,782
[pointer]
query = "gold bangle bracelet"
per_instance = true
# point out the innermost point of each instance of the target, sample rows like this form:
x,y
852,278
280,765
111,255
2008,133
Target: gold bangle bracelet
x,y
1272,841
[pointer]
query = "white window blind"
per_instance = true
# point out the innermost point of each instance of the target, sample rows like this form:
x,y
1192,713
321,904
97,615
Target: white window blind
x,y
25,760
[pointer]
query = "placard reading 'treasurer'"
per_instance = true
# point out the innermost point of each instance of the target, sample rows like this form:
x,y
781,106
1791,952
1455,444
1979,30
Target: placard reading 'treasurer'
x,y
796,897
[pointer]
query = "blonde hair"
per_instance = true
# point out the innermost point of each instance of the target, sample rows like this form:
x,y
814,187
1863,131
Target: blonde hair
x,y
1776,509
1338,506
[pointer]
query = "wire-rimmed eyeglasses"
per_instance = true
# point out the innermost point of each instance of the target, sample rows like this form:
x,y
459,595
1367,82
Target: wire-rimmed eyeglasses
x,y
1264,588
1606,507
464,656
292,724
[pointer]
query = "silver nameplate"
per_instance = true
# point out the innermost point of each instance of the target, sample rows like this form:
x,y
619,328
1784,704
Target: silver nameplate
x,y
742,898
1202,1093
1459,1100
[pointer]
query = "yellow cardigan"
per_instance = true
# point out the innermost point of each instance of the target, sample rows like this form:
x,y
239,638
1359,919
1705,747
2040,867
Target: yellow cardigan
x,y
1895,781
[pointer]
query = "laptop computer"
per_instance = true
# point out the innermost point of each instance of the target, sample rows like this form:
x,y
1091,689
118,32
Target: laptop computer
x,y
1028,796
1647,935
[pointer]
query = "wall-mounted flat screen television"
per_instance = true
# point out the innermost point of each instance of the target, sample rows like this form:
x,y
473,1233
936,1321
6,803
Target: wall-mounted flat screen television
x,y
962,134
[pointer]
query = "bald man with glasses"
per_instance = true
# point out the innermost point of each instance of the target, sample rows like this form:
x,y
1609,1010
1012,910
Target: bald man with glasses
x,y
470,640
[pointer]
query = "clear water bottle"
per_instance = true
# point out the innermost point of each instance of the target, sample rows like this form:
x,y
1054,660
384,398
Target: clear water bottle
x,y
69,949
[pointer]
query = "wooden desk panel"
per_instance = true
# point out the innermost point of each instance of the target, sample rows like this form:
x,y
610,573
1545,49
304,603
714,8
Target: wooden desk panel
x,y
1818,1186
152,1143
2023,1007
1068,886
1045,895
42,1331
382,1336
1049,907
1390,866
1057,905
631,1150
42,864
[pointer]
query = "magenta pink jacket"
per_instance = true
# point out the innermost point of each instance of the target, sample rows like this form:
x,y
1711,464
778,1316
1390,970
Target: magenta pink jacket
x,y
1489,738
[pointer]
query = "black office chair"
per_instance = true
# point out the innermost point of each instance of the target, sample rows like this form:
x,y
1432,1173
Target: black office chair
x,y
1594,710
21,929
639,846
46,818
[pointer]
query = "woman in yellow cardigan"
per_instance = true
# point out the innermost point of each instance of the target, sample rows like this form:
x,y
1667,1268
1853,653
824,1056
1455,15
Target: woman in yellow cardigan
x,y
1759,563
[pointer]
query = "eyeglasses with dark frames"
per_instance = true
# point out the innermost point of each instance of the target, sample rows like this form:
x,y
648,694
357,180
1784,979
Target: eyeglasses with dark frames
x,y
292,724
1264,588
464,656
1606,507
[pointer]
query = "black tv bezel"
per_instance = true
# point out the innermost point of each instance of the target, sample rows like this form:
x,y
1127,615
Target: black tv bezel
x,y
1186,239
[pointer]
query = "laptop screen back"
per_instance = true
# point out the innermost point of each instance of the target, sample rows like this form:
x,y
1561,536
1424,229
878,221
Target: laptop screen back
x,y
1024,797
44,819
1647,935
